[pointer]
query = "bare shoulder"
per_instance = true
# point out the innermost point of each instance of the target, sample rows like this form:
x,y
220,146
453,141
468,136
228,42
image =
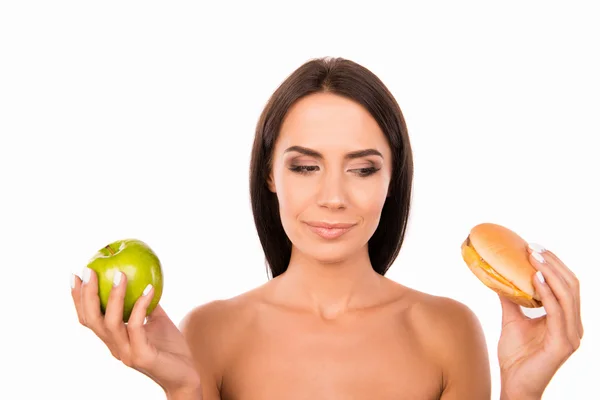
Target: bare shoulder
x,y
448,316
212,331
453,337
220,318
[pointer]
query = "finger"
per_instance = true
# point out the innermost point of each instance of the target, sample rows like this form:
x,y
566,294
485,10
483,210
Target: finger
x,y
566,273
568,276
113,318
542,257
140,350
90,304
573,283
562,294
562,269
554,313
76,295
511,311
157,313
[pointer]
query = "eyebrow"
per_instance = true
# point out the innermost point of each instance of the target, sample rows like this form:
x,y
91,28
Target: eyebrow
x,y
350,156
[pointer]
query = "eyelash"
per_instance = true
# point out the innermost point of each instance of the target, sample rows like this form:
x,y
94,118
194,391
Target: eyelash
x,y
302,169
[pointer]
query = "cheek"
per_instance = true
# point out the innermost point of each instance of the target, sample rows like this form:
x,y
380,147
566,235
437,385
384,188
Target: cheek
x,y
294,199
370,204
293,196
370,200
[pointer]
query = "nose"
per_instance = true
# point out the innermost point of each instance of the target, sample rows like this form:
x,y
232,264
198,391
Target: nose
x,y
331,191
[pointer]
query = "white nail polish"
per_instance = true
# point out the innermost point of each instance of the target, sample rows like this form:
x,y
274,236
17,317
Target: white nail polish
x,y
540,276
538,257
72,281
86,274
537,247
147,289
117,278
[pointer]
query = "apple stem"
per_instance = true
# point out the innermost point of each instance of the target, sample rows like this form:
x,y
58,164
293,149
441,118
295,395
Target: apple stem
x,y
112,253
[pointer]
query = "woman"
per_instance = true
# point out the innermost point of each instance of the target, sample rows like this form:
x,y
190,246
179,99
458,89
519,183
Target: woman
x,y
330,182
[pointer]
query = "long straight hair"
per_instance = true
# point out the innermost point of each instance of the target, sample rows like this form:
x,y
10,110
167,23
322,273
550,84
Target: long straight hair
x,y
345,78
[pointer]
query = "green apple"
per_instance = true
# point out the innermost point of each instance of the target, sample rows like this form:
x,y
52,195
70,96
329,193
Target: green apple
x,y
136,260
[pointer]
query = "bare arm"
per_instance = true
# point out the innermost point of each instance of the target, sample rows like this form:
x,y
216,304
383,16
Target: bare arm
x,y
201,328
461,350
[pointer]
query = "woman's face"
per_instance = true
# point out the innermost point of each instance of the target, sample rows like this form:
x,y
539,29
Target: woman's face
x,y
331,165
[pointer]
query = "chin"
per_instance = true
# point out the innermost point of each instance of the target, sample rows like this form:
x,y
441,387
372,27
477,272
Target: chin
x,y
327,250
331,258
329,253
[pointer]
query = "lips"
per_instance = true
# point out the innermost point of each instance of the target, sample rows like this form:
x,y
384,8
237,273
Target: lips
x,y
329,230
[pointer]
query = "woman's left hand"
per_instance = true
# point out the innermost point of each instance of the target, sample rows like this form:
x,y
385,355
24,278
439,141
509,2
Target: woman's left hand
x,y
530,351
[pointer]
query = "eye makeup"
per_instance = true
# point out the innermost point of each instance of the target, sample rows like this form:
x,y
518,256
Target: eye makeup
x,y
308,169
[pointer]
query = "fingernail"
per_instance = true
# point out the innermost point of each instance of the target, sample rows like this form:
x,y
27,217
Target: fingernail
x,y
147,289
537,247
117,278
538,257
86,274
72,281
540,276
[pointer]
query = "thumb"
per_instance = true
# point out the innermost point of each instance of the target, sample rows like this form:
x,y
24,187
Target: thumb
x,y
158,312
510,311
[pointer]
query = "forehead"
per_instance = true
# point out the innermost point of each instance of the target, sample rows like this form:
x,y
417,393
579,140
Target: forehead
x,y
331,123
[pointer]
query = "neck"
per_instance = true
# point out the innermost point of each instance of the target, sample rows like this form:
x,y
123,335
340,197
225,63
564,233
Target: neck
x,y
332,288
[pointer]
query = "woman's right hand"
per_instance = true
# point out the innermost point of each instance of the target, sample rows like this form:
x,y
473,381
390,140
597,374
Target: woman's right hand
x,y
156,348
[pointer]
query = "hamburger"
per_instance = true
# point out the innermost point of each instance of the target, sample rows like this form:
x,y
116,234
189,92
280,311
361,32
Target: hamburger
x,y
499,259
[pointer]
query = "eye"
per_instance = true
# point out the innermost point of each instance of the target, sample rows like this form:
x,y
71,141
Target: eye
x,y
304,169
365,171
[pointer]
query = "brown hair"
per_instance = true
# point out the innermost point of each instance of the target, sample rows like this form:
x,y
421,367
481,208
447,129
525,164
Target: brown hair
x,y
351,80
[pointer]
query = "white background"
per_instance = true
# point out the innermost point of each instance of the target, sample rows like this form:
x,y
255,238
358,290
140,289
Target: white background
x,y
135,119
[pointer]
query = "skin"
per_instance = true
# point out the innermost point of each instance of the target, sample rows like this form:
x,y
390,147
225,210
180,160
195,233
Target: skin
x,y
330,326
